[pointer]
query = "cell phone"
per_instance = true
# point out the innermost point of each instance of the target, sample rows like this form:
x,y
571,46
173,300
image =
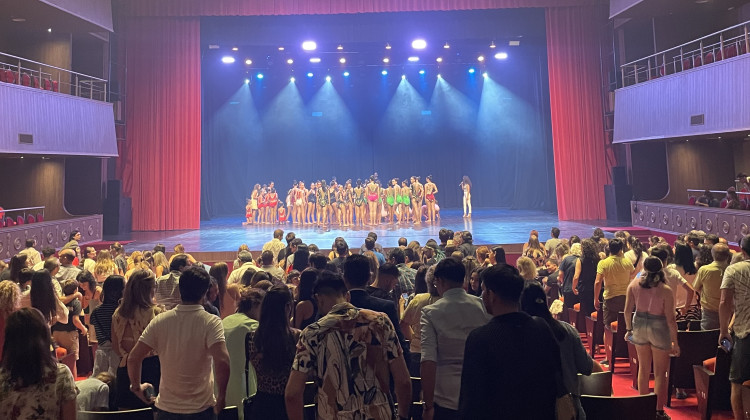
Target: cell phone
x,y
149,393
726,344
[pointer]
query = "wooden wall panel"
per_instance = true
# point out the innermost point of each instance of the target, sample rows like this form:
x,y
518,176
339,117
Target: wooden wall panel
x,y
698,165
34,182
677,219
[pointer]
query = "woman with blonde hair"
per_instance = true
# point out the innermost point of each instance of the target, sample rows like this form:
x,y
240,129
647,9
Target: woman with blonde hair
x,y
128,323
526,268
374,265
161,264
138,263
10,301
134,258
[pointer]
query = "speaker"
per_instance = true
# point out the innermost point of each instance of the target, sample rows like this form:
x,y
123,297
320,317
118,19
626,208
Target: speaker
x,y
619,175
617,199
114,188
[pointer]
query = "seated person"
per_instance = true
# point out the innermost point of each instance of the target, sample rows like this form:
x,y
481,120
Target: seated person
x,y
93,393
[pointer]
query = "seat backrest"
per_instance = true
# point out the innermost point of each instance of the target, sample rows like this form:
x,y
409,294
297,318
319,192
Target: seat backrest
x,y
39,217
47,84
19,220
598,383
9,222
695,347
691,200
687,64
641,407
10,77
140,414
25,79
30,219
709,58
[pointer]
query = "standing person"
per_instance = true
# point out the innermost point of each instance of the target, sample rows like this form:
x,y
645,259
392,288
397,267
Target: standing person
x,y
567,272
653,329
359,204
552,242
306,308
106,358
373,193
585,275
310,200
170,334
465,186
10,301
349,353
684,263
324,199
129,321
254,204
66,334
534,250
34,257
636,255
430,189
32,384
348,198
613,273
167,286
508,356
43,297
708,286
72,243
444,327
270,349
409,324
405,205
118,255
105,266
275,245
735,300
417,193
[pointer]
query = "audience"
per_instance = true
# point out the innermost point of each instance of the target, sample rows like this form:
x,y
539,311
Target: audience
x,y
552,242
10,301
105,266
708,286
569,273
406,274
167,286
246,258
306,308
107,359
94,392
613,274
348,336
274,246
445,325
426,294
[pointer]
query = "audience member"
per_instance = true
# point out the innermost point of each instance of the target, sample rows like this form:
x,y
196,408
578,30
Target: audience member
x,y
270,349
708,286
46,253
402,242
653,329
735,306
377,246
236,329
467,244
318,261
475,283
613,274
370,246
118,254
33,256
167,286
267,264
107,359
508,356
66,334
105,266
567,273
527,269
497,256
445,325
636,255
426,294
674,279
348,336
274,245
17,263
94,392
10,301
32,384
444,235
187,326
385,283
406,274
306,308
43,297
91,298
552,242
67,270
300,260
287,251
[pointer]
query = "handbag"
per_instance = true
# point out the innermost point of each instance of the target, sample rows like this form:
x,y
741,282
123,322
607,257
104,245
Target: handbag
x,y
247,402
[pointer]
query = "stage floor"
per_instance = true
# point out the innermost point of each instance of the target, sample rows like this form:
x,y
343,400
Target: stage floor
x,y
488,226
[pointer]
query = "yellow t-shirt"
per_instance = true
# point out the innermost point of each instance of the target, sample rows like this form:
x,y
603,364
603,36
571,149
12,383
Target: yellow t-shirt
x,y
709,280
615,271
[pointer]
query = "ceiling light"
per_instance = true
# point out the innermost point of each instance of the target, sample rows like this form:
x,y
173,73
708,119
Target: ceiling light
x,y
235,49
309,75
342,60
492,45
485,75
248,61
421,72
309,45
227,59
471,70
419,44
213,47
292,79
346,74
289,61
315,60
259,75
413,59
387,46
18,19
384,72
340,47
439,59
281,48
49,30
403,77
439,76
501,55
247,81
514,43
386,60
480,58
446,46
328,78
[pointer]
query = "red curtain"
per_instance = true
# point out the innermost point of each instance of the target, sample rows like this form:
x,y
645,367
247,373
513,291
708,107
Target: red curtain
x,y
575,84
160,163
303,7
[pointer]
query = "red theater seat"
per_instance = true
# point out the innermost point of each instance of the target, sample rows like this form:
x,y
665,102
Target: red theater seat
x,y
47,84
697,61
39,217
35,81
709,58
19,220
55,87
10,77
25,79
691,201
687,64
730,51
723,203
2,75
30,219
9,222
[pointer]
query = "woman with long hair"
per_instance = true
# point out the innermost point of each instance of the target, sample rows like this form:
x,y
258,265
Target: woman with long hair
x,y
89,260
526,268
684,263
417,195
17,263
91,299
324,198
636,255
310,200
373,193
425,294
10,301
229,295
535,251
470,264
653,329
497,256
128,323
430,189
306,309
106,359
585,275
301,258
465,186
483,256
573,356
359,203
271,350
568,269
44,298
32,384
161,264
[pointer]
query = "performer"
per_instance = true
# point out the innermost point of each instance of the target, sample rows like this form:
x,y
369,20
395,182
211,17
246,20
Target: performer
x,y
299,203
417,194
390,199
291,195
334,205
322,203
311,196
273,205
248,213
348,196
373,194
262,205
405,204
254,202
430,189
359,203
466,187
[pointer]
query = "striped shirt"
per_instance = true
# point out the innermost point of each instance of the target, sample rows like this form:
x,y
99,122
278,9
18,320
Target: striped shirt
x,y
101,319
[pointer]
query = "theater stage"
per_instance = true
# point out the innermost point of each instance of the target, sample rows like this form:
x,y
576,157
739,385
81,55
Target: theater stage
x,y
488,226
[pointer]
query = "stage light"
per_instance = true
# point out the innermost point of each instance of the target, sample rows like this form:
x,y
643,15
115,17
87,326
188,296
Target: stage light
x,y
235,49
492,45
49,30
419,44
259,75
386,60
248,61
309,75
387,46
342,60
446,46
421,72
328,78
315,60
403,77
439,59
309,46
413,59
480,58
346,74
247,81
227,59
289,61
471,70
485,75
292,79
439,76
340,47
501,55
384,72
281,48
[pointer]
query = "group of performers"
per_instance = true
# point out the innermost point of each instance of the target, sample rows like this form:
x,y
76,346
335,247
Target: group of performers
x,y
350,204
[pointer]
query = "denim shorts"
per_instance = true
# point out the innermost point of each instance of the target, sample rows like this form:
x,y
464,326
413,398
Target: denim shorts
x,y
651,330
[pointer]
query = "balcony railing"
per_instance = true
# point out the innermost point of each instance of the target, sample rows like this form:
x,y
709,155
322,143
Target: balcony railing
x,y
22,71
724,44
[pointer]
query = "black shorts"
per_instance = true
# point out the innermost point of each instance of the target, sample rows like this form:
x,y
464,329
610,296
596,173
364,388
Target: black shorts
x,y
739,369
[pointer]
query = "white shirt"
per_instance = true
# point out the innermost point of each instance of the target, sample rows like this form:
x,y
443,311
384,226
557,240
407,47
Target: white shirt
x,y
32,254
737,278
445,325
93,395
236,276
168,290
182,337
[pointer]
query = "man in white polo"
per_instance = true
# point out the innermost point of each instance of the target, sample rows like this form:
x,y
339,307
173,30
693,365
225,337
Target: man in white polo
x,y
187,339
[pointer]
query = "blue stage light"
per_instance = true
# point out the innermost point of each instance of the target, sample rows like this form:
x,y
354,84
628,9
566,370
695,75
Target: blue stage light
x,y
346,74
471,70
292,79
247,81
485,75
259,75
309,45
328,78
501,55
309,75
419,44
421,72
384,72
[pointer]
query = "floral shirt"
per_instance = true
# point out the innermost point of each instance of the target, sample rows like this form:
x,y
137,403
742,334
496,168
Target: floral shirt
x,y
39,402
347,353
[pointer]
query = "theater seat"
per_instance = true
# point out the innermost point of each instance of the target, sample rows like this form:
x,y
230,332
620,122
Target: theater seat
x,y
9,222
712,387
723,203
55,87
19,220
641,407
695,347
10,77
39,217
687,64
697,61
2,75
26,80
730,51
614,341
35,82
594,332
139,414
30,219
47,84
691,200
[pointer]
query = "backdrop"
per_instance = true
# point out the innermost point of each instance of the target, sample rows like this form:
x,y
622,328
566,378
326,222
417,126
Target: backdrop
x,y
495,130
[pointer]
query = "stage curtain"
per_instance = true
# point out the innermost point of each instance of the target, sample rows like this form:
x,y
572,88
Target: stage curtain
x,y
160,160
303,7
580,152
